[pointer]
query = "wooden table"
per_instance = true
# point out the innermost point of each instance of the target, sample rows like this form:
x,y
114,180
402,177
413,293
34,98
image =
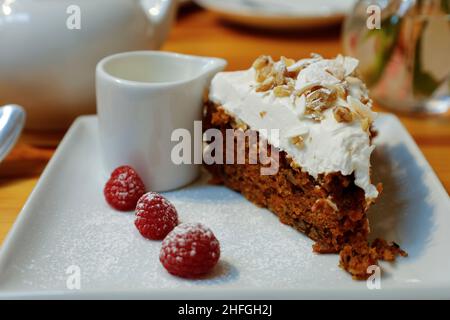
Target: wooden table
x,y
201,33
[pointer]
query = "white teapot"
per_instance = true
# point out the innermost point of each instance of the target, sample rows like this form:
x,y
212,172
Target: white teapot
x,y
49,50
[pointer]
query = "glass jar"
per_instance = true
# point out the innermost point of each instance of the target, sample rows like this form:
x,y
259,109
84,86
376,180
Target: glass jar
x,y
404,52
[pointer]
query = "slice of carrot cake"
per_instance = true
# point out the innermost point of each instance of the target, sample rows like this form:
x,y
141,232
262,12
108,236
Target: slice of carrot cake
x,y
322,117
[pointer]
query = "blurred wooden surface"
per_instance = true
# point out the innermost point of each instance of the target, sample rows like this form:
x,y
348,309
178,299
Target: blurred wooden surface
x,y
201,33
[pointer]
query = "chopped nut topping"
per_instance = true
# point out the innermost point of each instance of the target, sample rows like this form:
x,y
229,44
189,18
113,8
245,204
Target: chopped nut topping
x,y
314,115
287,62
263,73
365,124
319,100
365,99
297,67
270,75
298,141
262,114
341,92
266,85
304,89
342,114
279,75
282,91
324,95
290,82
264,68
262,61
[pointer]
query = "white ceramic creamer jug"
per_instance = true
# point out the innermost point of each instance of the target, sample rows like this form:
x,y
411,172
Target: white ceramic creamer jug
x,y
148,102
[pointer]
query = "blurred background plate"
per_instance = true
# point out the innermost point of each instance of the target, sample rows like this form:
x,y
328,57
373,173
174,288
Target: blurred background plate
x,y
279,14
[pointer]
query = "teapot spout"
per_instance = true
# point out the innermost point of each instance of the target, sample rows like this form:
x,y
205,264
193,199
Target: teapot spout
x,y
160,14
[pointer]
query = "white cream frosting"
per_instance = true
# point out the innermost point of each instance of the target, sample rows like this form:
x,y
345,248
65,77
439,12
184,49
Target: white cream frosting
x,y
329,146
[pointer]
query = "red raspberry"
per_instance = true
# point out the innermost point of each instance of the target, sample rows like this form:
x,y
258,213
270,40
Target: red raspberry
x,y
155,216
123,189
190,250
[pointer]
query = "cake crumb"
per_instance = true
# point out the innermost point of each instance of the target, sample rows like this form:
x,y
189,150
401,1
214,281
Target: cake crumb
x,y
365,124
342,114
356,257
386,251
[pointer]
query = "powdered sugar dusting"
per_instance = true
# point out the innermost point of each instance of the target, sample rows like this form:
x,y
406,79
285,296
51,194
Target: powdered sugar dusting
x,y
71,225
155,216
176,238
187,228
149,196
124,188
256,249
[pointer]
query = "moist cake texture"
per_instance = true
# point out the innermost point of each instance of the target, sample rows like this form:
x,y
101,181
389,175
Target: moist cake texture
x,y
323,114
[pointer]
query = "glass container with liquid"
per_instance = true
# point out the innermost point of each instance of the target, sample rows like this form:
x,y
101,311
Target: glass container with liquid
x,y
404,52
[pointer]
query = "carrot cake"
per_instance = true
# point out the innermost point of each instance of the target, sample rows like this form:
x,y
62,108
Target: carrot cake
x,y
321,112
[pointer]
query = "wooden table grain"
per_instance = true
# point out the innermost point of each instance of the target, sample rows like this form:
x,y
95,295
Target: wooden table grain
x,y
202,33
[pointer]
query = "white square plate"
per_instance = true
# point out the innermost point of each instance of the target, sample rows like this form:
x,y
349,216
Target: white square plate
x,y
66,222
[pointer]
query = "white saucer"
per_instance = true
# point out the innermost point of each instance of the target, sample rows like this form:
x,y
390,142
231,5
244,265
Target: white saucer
x,y
66,222
275,14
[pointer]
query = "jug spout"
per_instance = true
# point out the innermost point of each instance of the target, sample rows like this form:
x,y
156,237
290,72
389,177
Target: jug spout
x,y
211,67
160,14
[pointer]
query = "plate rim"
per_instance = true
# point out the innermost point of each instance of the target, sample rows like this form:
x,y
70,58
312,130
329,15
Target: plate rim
x,y
275,21
244,11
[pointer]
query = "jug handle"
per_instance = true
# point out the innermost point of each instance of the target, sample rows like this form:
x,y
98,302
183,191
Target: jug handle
x,y
160,14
